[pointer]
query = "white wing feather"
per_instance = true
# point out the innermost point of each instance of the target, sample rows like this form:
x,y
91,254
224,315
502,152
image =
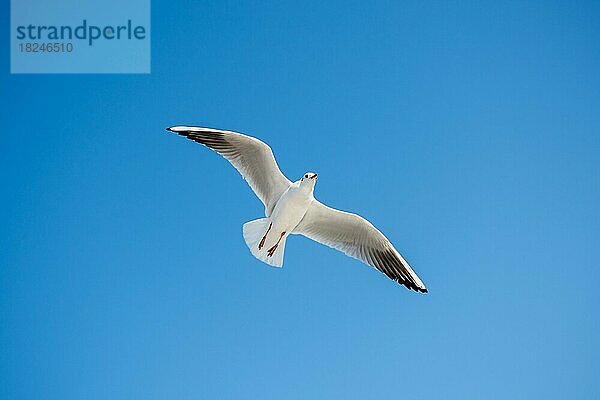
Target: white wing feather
x,y
252,158
358,238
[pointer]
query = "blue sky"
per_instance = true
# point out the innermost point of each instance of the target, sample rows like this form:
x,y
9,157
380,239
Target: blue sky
x,y
469,133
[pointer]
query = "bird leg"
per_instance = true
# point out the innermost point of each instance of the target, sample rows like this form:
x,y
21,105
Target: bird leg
x,y
271,251
262,241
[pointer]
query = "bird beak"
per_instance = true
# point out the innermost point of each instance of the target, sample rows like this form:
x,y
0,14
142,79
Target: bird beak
x,y
314,176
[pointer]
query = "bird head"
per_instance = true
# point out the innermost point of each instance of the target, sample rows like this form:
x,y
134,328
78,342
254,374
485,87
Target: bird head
x,y
308,179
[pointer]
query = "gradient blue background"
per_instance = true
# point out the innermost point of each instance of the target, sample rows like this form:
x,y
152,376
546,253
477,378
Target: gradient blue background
x,y
468,133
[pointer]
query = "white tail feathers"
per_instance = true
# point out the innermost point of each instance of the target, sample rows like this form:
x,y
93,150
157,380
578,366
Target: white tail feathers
x,y
254,231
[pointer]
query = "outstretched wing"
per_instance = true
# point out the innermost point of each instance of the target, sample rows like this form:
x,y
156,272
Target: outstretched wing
x,y
358,238
252,158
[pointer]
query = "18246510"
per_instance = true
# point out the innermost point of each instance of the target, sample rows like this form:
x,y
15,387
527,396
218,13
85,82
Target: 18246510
x,y
36,47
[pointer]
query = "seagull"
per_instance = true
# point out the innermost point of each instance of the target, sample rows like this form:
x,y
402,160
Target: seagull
x,y
291,208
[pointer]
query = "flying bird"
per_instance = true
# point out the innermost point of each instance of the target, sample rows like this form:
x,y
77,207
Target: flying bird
x,y
291,208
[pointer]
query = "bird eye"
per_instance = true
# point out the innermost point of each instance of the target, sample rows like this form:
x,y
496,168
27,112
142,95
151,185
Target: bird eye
x,y
306,176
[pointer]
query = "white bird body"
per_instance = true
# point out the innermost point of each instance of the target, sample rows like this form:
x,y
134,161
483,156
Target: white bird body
x,y
290,208
287,213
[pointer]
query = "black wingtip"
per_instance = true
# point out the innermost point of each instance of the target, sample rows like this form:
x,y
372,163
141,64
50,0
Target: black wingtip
x,y
169,129
415,288
420,289
412,286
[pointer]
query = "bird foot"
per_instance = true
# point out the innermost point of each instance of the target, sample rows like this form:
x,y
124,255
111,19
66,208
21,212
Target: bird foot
x,y
262,241
271,251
